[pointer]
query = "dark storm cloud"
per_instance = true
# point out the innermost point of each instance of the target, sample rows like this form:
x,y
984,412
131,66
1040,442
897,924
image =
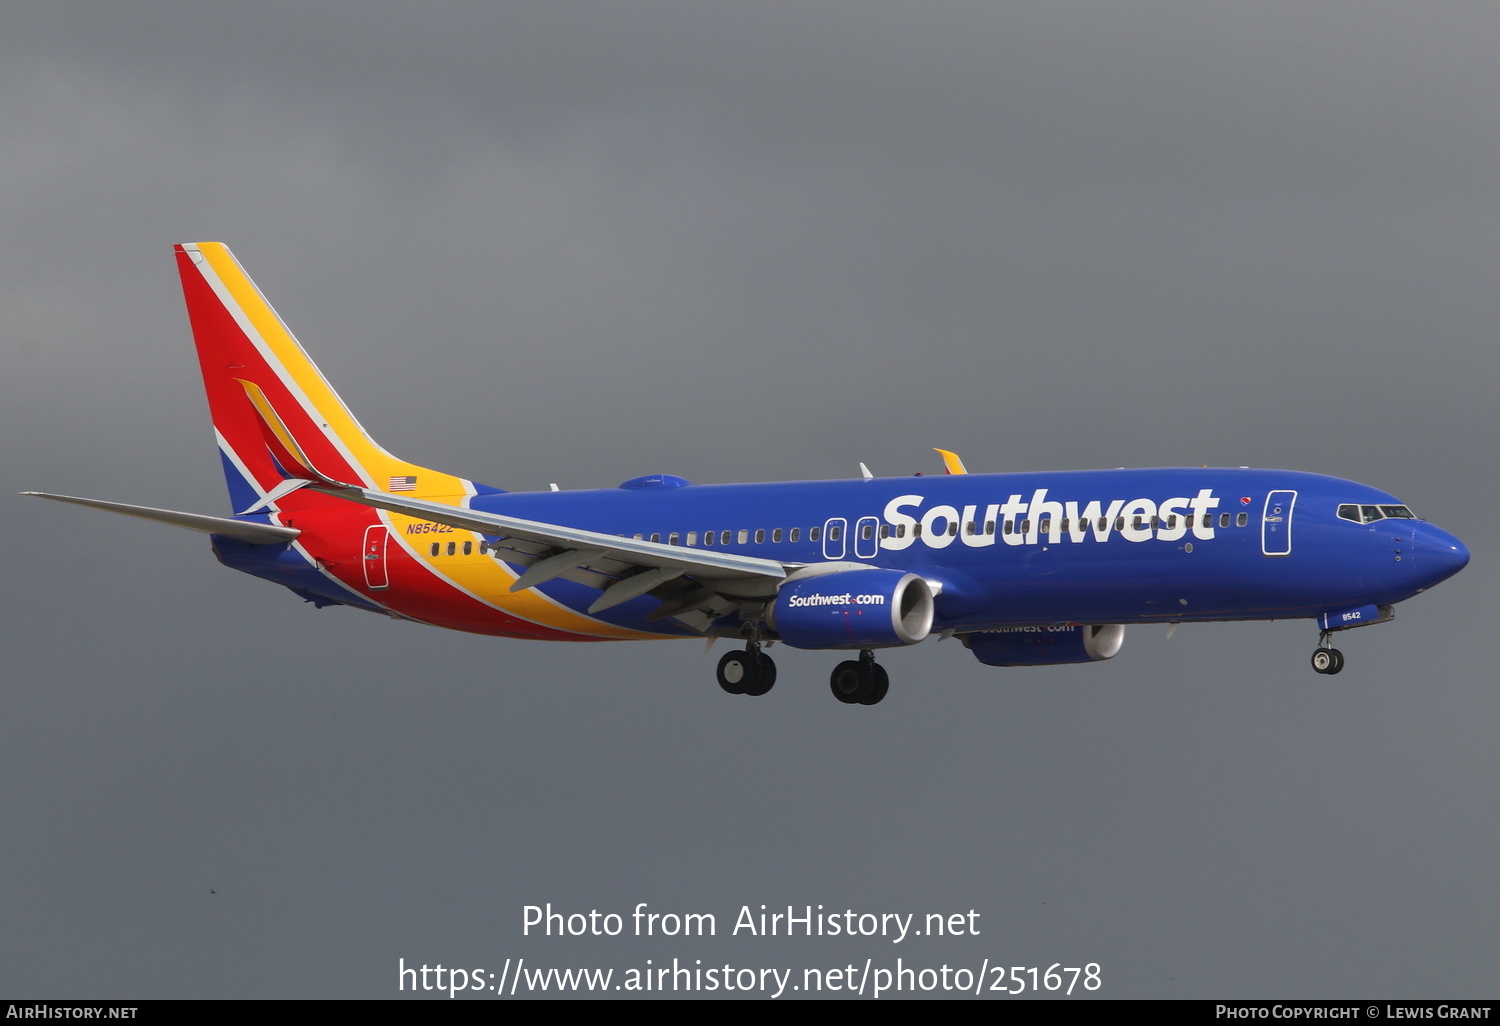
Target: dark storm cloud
x,y
578,242
966,206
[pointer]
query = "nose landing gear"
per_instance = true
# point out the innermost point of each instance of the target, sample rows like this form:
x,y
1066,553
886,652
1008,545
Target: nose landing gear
x,y
1325,658
859,682
750,672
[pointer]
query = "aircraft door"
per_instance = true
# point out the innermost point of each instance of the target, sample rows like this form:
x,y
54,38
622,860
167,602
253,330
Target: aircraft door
x,y
867,537
833,538
1276,524
376,537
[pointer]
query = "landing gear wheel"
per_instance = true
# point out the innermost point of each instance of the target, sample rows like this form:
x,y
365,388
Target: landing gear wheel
x,y
746,673
736,671
1328,661
766,672
849,683
859,682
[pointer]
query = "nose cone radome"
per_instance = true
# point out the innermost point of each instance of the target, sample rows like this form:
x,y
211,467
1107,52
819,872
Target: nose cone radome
x,y
1438,554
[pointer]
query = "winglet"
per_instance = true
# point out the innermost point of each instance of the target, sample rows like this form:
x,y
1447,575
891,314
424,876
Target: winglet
x,y
951,461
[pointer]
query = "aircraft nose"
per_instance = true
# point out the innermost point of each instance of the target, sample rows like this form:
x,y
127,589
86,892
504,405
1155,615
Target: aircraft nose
x,y
1439,555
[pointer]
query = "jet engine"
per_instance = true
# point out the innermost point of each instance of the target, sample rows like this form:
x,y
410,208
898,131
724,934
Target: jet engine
x,y
1046,646
871,608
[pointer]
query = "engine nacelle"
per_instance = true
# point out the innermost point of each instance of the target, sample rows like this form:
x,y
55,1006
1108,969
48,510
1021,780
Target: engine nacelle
x,y
853,609
1046,646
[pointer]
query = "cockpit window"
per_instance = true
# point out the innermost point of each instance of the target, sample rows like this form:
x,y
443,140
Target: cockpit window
x,y
1370,514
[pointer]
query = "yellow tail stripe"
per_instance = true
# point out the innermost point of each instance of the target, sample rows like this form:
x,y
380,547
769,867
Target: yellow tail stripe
x,y
487,580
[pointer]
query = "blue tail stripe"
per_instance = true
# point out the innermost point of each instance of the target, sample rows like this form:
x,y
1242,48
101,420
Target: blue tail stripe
x,y
242,494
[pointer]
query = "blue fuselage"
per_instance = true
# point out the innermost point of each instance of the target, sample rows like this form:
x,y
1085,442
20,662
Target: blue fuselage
x,y
1120,546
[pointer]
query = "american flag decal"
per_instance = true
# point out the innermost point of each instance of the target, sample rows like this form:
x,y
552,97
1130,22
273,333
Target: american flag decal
x,y
403,484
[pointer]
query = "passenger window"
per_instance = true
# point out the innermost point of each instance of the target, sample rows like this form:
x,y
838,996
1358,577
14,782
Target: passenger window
x,y
885,530
989,527
744,537
724,538
776,535
1135,522
640,537
1155,523
952,528
1045,526
1009,528
708,537
1242,520
835,533
814,533
468,548
760,536
1208,520
796,533
692,538
1223,519
1026,527
1103,524
867,532
901,531
1064,525
435,547
451,547
1172,521
672,538
1119,523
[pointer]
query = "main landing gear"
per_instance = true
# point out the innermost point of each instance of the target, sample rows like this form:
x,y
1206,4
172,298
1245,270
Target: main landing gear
x,y
860,682
750,672
1325,658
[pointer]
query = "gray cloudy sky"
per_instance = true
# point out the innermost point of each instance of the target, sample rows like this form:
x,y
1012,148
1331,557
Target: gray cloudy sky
x,y
535,242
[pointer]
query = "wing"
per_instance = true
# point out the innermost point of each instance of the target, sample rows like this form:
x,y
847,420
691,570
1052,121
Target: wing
x,y
696,586
243,530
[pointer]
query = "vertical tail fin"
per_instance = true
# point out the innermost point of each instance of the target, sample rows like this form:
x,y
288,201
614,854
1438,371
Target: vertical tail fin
x,y
262,387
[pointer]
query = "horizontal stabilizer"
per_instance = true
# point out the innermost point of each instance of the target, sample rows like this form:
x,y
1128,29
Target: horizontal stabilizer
x,y
240,530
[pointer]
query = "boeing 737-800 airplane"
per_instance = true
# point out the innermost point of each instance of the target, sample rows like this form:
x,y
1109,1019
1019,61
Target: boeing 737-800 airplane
x,y
1026,569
